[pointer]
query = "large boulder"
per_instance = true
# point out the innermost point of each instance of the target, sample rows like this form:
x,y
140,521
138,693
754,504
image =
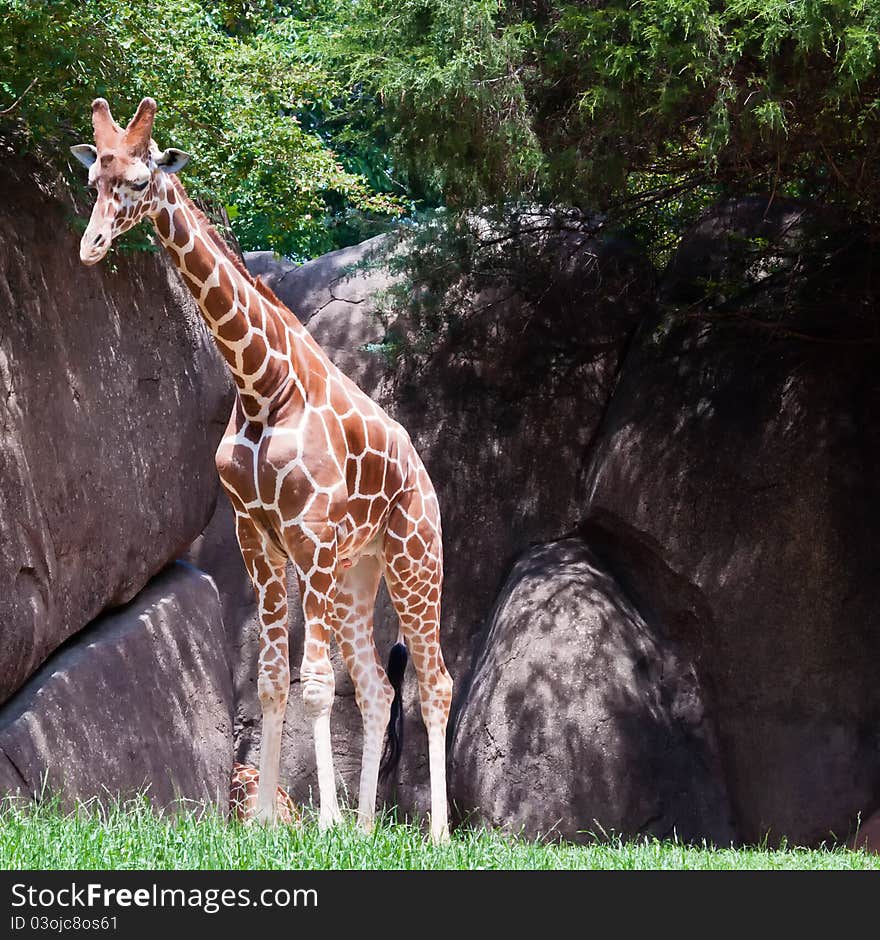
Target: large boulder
x,y
502,412
582,717
140,699
112,401
734,483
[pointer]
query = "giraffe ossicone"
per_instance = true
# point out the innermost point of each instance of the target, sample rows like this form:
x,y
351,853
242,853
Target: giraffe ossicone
x,y
319,476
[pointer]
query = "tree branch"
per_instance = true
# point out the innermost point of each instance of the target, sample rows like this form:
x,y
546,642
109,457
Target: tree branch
x,y
15,104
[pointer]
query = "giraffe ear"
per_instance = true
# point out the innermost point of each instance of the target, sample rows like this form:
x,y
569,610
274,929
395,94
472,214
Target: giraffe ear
x,y
172,160
85,153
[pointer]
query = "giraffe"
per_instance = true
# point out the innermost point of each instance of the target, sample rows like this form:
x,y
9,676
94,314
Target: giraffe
x,y
243,796
318,475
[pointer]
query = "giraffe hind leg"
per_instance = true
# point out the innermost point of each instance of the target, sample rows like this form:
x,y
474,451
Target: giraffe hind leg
x,y
414,575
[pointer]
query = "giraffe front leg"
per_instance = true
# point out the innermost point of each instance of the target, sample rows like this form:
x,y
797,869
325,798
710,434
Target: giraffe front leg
x,y
318,691
273,686
317,587
267,568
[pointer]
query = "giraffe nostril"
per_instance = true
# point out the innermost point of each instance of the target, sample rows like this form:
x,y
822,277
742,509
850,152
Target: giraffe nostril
x,y
98,239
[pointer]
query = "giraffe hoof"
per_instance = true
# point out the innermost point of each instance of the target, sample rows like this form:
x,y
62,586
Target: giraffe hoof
x,y
329,820
267,818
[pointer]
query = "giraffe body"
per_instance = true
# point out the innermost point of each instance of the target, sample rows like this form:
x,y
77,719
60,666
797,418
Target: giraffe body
x,y
318,476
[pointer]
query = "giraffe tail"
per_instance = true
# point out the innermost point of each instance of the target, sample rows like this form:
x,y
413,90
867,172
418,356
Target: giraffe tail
x,y
397,660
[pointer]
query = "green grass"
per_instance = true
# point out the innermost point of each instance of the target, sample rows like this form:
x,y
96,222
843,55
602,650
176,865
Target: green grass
x,y
132,836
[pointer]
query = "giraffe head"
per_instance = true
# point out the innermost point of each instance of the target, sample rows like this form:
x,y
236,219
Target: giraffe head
x,y
124,169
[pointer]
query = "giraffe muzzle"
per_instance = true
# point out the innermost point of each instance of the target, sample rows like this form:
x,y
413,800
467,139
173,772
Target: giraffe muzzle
x,y
93,246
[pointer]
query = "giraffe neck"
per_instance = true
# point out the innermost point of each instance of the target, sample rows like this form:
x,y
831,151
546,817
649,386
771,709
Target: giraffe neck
x,y
256,336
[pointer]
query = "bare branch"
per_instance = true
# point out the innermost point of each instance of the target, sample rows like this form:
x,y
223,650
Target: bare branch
x,y
16,103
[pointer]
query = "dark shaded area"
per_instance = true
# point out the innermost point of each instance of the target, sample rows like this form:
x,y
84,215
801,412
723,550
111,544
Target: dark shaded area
x,y
734,485
504,409
582,718
783,268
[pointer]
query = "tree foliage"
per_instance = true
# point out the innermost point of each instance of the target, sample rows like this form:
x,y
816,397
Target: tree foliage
x,y
310,120
621,104
231,85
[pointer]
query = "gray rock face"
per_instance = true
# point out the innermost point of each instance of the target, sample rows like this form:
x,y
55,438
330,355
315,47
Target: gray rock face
x,y
112,401
741,494
734,483
271,268
581,717
339,277
141,697
503,415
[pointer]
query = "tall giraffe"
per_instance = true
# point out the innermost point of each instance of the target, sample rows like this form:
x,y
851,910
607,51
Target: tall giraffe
x,y
318,476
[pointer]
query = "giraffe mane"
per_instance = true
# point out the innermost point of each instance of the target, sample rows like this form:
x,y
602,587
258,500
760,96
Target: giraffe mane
x,y
216,238
221,244
268,293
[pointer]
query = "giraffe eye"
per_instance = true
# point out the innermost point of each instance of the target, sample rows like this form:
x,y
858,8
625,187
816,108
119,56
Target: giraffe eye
x,y
140,187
